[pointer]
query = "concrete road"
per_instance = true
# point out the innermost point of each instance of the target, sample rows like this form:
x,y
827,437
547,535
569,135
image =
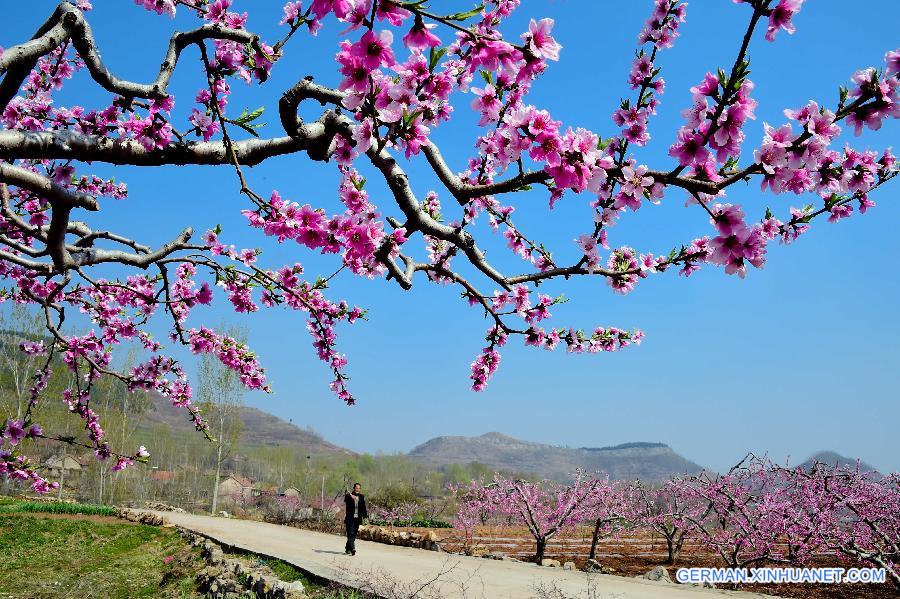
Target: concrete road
x,y
401,572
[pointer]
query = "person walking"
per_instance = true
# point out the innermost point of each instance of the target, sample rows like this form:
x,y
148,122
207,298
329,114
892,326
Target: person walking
x,y
355,502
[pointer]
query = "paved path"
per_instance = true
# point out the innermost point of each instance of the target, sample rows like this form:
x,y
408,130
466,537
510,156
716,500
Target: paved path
x,y
397,571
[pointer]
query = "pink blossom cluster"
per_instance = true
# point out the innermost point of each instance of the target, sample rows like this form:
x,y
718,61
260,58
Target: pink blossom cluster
x,y
519,301
484,367
285,285
883,87
232,57
78,403
760,512
737,244
232,354
158,6
14,431
660,32
780,16
19,469
625,267
396,515
356,234
34,110
720,127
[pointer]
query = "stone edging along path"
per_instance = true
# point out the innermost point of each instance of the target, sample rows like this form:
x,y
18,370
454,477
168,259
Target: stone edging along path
x,y
223,576
392,571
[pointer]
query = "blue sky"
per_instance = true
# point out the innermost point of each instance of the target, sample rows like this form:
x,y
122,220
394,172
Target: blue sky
x,y
799,356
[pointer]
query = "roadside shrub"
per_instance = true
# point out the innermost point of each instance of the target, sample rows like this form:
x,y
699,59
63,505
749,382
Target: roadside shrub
x,y
413,523
391,497
280,510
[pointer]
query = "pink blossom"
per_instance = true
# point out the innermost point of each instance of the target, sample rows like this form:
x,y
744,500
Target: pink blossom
x,y
420,36
292,11
374,50
206,126
13,432
158,6
539,40
780,17
690,148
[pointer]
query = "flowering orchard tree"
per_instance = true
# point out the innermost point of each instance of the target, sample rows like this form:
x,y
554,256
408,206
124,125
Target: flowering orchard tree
x,y
758,513
854,513
396,515
763,513
612,509
475,506
748,514
545,508
401,66
670,512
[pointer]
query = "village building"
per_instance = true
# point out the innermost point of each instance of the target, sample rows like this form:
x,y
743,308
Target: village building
x,y
238,489
57,464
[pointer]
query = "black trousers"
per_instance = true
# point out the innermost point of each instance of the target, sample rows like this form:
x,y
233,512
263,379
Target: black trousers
x,y
352,526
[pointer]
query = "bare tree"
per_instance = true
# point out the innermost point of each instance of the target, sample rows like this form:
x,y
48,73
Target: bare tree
x,y
221,397
18,324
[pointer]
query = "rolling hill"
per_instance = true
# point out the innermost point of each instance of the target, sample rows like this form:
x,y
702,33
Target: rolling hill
x,y
260,429
651,462
832,458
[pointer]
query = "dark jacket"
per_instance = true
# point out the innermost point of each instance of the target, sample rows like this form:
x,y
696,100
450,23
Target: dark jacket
x,y
348,503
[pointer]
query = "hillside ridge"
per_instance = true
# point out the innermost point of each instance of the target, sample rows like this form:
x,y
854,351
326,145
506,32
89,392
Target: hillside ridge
x,y
261,428
649,461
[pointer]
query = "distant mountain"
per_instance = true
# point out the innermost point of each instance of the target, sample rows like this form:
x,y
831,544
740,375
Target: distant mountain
x,y
832,458
650,462
260,429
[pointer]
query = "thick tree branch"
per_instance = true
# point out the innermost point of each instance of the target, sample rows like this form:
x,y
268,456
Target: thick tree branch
x,y
68,22
463,192
71,145
419,220
42,186
92,256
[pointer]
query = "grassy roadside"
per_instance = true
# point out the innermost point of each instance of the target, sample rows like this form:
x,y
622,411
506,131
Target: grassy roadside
x,y
90,556
65,550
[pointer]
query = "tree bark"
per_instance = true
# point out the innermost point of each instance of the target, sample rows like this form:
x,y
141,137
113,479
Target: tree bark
x,y
62,476
595,539
674,543
215,490
539,551
670,547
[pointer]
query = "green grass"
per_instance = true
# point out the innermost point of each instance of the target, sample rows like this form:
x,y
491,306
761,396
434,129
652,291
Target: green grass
x,y
58,508
315,589
44,557
340,594
285,571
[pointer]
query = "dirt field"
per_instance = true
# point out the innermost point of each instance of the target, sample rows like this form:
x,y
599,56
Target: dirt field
x,y
636,553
